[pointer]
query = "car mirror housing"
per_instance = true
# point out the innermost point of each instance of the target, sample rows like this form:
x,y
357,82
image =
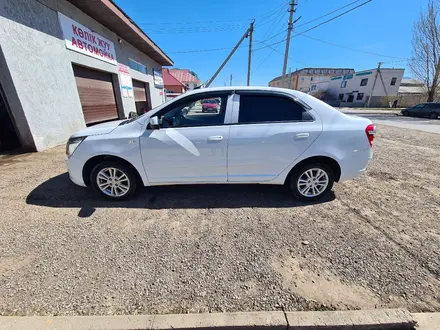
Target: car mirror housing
x,y
154,122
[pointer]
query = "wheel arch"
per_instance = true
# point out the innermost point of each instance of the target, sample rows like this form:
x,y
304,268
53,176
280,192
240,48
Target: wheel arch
x,y
92,162
333,164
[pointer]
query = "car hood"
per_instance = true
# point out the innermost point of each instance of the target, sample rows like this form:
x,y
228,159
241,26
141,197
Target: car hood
x,y
99,129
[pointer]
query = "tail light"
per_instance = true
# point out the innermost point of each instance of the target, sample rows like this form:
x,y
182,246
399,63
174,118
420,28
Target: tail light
x,y
371,132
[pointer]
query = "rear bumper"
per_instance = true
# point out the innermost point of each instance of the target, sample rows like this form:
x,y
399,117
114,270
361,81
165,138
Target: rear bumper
x,y
75,167
355,164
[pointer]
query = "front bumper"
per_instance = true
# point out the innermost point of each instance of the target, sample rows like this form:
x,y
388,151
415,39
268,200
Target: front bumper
x,y
75,166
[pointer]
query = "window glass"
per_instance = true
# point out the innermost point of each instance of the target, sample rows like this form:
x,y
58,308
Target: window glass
x,y
364,82
360,96
266,108
344,84
137,66
341,96
419,106
432,106
196,112
393,81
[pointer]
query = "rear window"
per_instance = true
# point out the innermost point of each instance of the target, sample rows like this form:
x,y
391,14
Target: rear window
x,y
267,108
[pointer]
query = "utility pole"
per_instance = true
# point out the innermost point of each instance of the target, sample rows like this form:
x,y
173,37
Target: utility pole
x,y
374,84
230,80
227,58
289,78
289,31
251,30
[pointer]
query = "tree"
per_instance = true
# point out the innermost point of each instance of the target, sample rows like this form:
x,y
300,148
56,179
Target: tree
x,y
325,95
425,61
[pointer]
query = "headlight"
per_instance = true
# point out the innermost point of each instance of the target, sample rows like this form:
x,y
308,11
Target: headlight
x,y
72,144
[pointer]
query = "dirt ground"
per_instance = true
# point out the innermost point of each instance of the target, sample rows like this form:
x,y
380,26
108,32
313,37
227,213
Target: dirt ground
x,y
374,243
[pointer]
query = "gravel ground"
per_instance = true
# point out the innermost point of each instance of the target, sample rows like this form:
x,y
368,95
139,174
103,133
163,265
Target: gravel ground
x,y
374,243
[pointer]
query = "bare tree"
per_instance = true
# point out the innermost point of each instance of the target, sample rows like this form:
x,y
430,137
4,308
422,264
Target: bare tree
x,y
325,95
425,62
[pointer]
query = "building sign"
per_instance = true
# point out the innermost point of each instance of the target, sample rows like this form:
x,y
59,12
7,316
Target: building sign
x,y
83,40
125,80
158,80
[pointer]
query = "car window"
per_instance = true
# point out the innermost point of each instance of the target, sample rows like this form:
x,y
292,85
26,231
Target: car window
x,y
267,108
432,106
419,106
195,112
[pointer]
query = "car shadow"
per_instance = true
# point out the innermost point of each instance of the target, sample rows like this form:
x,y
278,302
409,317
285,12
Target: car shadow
x,y
59,191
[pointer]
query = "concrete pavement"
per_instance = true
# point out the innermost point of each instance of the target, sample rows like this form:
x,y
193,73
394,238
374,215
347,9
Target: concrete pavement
x,y
359,319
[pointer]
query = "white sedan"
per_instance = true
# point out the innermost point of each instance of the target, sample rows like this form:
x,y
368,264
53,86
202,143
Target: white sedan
x,y
258,135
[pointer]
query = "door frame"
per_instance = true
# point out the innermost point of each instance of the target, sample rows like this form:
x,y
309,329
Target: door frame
x,y
147,131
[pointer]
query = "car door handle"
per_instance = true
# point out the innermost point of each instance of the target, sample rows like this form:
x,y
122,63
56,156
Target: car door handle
x,y
215,138
302,136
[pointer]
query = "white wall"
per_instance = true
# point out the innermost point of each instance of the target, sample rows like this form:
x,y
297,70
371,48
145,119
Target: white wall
x,y
354,84
40,67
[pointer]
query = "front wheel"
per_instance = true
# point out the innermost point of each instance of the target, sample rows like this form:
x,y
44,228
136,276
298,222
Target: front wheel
x,y
113,180
405,113
311,182
433,115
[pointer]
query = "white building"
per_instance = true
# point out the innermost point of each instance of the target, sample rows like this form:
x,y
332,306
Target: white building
x,y
66,64
355,89
302,80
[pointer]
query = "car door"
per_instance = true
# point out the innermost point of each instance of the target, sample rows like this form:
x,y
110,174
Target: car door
x,y
271,130
417,110
429,109
190,146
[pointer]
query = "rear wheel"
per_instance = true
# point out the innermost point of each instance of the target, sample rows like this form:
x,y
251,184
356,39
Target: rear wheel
x,y
113,180
433,115
311,182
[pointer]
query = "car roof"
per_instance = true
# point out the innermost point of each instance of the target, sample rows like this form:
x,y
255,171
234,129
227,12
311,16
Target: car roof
x,y
249,88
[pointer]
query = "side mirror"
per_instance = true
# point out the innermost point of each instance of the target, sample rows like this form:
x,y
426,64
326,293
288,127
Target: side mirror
x,y
154,122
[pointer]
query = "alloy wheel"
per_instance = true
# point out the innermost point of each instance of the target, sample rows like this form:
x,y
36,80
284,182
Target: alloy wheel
x,y
113,182
312,182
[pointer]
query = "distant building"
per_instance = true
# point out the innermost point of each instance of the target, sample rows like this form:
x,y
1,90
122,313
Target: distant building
x,y
186,77
411,92
411,86
173,87
354,89
303,79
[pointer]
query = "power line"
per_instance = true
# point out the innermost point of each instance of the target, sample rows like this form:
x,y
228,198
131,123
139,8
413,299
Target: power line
x,y
318,25
273,12
353,49
315,19
278,42
193,22
196,30
332,12
274,25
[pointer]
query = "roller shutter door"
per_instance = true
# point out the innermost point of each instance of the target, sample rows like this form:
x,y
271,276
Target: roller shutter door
x,y
96,93
140,96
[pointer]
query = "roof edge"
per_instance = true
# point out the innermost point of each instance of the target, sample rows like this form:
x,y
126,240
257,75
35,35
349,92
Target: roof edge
x,y
114,7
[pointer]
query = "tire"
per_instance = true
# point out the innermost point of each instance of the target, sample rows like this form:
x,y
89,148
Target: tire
x,y
129,180
433,115
300,173
405,113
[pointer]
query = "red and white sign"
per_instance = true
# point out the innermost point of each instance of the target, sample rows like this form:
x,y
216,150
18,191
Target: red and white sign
x,y
125,80
83,40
